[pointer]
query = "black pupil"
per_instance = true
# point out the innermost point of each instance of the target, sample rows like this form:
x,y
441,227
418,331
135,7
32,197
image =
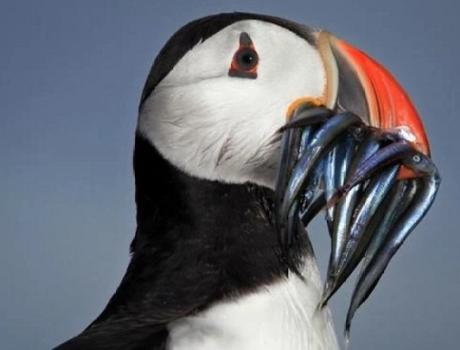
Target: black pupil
x,y
247,58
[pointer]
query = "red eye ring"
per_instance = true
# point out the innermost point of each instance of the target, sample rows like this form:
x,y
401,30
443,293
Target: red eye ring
x,y
245,60
244,63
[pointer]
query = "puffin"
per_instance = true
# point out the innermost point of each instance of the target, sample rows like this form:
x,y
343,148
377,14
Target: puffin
x,y
206,269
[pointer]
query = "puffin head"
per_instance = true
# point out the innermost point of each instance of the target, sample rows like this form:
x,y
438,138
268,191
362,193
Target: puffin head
x,y
223,86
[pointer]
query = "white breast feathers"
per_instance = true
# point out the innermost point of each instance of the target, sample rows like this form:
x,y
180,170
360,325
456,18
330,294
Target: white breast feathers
x,y
282,316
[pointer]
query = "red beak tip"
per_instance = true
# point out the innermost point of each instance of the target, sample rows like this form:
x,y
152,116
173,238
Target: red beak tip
x,y
390,107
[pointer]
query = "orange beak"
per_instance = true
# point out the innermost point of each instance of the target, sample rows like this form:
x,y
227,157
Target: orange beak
x,y
358,83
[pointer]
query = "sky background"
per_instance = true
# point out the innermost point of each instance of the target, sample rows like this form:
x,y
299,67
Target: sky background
x,y
71,74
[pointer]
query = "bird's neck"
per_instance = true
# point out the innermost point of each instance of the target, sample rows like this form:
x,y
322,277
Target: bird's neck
x,y
224,224
217,255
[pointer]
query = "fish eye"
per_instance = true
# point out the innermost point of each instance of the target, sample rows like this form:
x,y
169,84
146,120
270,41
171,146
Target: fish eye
x,y
416,158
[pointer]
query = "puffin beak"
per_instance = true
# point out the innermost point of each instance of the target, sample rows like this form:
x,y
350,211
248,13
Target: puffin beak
x,y
359,84
360,152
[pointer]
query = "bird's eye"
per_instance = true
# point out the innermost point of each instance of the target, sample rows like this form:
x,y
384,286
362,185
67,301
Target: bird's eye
x,y
245,60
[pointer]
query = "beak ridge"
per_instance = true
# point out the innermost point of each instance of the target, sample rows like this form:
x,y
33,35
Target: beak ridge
x,y
360,84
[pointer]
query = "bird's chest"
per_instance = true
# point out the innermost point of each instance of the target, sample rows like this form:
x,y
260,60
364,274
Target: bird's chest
x,y
282,316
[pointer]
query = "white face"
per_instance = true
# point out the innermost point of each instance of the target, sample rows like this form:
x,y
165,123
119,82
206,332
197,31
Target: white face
x,y
220,127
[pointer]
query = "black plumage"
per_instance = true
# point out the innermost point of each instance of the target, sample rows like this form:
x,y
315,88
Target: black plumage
x,y
197,242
